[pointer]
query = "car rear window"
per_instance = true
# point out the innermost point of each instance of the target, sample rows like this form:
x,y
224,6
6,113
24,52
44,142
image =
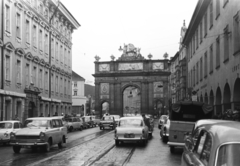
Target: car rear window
x,y
131,123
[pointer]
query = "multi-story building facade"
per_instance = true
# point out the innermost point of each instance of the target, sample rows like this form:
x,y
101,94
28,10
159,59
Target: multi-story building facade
x,y
181,69
36,58
78,91
213,53
173,78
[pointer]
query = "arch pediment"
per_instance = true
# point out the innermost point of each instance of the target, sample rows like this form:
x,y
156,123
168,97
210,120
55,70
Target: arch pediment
x,y
36,59
53,67
29,56
20,52
9,46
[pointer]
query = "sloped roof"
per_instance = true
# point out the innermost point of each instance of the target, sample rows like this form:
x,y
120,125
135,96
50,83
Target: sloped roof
x,y
76,77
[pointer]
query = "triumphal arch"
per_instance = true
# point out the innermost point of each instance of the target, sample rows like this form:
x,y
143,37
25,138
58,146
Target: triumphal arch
x,y
131,84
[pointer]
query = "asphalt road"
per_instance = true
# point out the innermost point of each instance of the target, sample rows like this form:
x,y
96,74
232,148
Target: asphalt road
x,y
27,156
93,147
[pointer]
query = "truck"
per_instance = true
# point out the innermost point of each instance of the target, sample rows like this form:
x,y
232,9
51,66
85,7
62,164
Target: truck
x,y
183,116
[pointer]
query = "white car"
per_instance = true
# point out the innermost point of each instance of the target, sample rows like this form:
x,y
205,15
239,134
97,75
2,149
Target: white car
x,y
39,132
164,132
6,127
131,129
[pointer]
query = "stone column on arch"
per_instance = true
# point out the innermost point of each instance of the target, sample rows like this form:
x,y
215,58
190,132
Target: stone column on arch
x,y
97,100
117,99
144,96
111,98
150,98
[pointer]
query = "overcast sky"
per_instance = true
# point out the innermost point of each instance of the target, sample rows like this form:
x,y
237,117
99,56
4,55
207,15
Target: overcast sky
x,y
152,25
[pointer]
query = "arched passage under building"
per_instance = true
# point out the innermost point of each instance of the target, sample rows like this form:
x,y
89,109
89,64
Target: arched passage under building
x,y
218,101
226,97
131,100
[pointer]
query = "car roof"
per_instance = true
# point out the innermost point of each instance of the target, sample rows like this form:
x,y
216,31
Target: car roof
x,y
210,121
9,121
131,117
44,118
224,132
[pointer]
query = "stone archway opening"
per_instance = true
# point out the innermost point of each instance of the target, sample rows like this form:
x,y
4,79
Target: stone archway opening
x,y
131,100
201,98
158,108
31,108
105,107
218,101
227,97
211,98
206,98
236,94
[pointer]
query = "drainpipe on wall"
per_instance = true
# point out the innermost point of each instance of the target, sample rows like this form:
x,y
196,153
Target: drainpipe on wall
x,y
50,56
2,62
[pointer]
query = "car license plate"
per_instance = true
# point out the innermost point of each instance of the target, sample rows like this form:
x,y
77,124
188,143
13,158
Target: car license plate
x,y
129,136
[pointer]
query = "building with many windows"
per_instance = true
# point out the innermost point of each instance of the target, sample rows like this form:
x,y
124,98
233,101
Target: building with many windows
x,y
36,58
213,53
78,94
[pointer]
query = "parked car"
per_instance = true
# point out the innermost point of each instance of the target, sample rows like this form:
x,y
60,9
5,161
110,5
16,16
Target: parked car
x,y
85,124
217,144
164,132
131,129
65,122
39,132
6,127
89,121
162,120
117,118
151,122
107,122
74,123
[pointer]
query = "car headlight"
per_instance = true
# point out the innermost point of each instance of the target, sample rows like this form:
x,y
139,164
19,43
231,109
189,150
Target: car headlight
x,y
42,136
12,136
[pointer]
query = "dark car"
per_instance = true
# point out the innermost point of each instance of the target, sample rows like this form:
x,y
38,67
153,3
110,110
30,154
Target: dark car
x,y
107,122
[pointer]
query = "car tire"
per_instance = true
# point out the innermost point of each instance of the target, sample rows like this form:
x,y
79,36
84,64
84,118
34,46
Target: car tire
x,y
150,135
165,139
47,146
172,149
16,149
117,142
34,148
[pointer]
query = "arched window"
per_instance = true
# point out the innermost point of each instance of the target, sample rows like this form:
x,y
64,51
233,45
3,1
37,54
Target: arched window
x,y
46,14
40,8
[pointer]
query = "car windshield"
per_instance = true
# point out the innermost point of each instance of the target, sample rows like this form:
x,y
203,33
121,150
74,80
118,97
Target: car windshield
x,y
107,118
35,123
6,125
229,155
131,123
